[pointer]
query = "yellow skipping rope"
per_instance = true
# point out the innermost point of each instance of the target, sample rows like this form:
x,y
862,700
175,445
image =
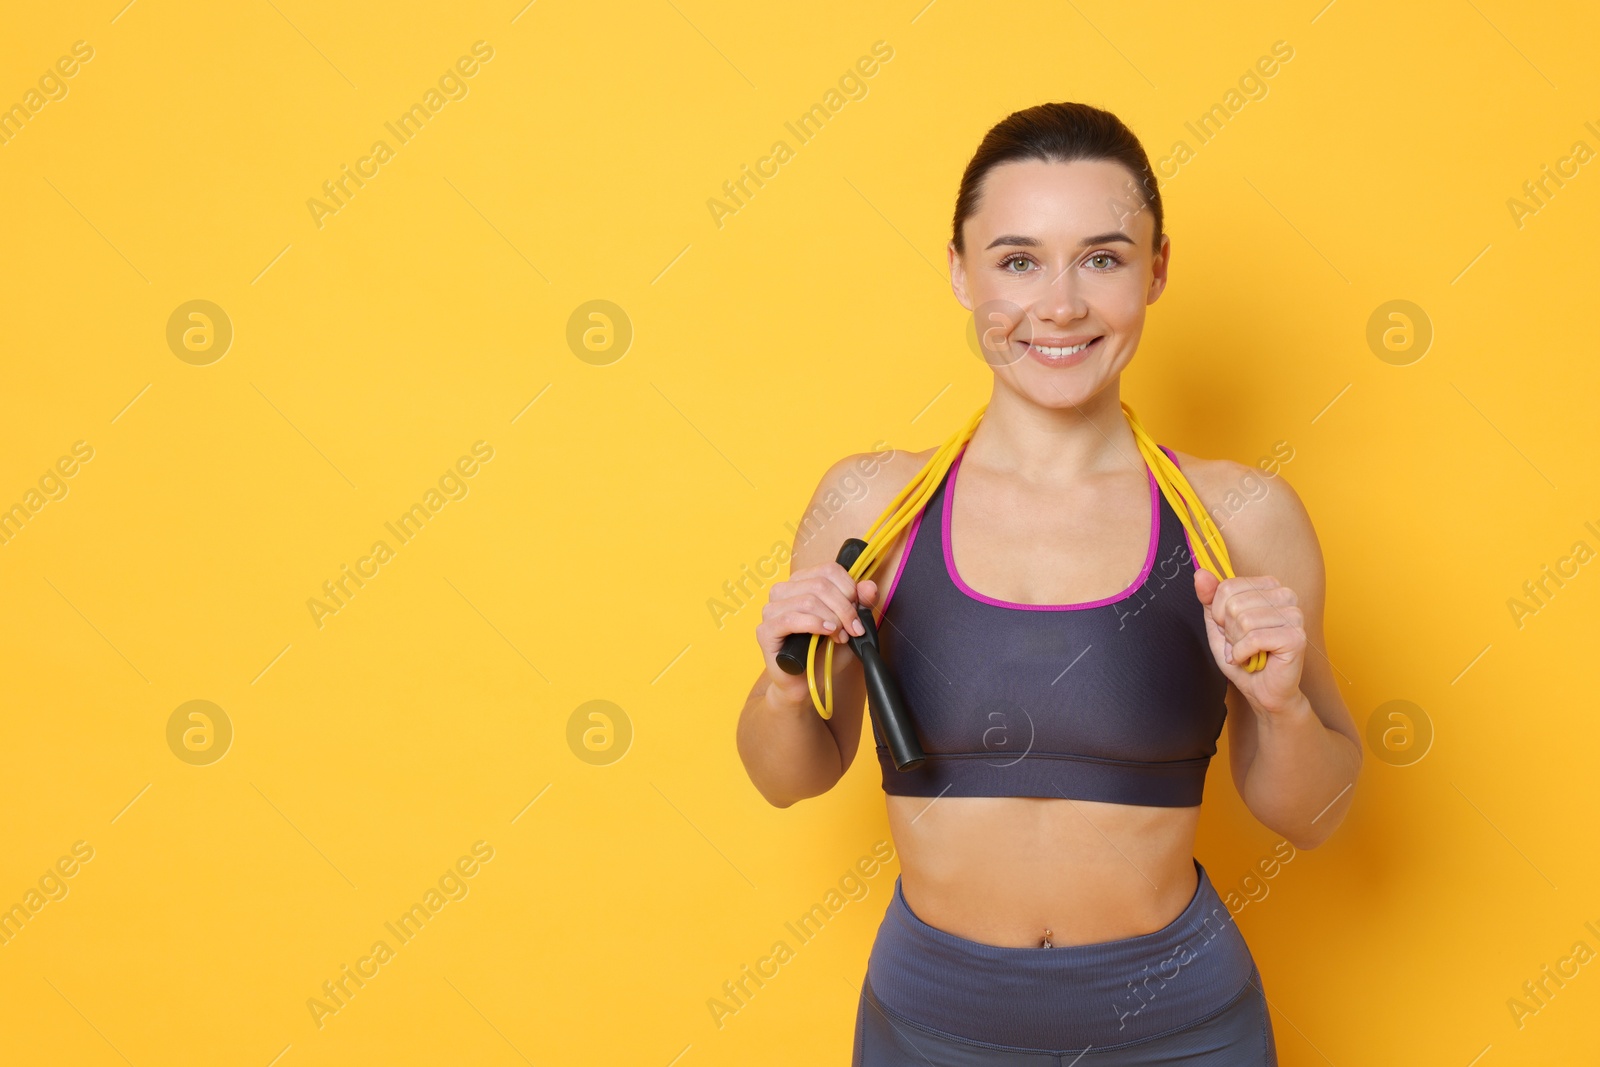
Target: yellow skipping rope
x,y
909,502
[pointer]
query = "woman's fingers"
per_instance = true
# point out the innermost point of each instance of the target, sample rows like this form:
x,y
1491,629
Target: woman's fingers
x,y
1244,603
827,612
830,585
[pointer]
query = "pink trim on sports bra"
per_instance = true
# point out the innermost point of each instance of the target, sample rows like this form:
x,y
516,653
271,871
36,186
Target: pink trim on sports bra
x,y
905,554
950,559
1194,559
916,524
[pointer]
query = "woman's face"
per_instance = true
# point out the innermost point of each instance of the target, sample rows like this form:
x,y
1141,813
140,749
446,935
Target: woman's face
x,y
1059,256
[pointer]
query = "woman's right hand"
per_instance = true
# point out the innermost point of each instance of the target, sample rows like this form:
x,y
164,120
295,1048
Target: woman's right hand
x,y
816,600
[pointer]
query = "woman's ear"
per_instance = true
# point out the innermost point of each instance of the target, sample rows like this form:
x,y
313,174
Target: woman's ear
x,y
958,277
1158,269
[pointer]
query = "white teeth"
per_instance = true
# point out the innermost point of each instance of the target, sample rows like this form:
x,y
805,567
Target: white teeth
x,y
1048,351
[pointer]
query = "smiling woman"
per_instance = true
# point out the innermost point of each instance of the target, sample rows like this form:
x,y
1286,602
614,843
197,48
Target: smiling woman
x,y
1049,903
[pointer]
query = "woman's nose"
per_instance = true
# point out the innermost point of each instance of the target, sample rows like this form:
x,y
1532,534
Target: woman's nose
x,y
1061,298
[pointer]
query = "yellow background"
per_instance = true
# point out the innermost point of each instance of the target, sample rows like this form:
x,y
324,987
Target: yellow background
x,y
432,309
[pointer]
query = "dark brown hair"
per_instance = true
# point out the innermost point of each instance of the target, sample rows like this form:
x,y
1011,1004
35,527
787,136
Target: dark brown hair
x,y
1057,133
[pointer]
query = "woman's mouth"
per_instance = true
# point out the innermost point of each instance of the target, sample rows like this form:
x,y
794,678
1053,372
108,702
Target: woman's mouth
x,y
1062,355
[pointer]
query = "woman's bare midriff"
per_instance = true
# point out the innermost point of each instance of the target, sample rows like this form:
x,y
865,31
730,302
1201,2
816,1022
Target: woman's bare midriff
x,y
1003,870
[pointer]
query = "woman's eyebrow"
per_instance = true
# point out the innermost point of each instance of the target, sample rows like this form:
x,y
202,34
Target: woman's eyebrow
x,y
1033,242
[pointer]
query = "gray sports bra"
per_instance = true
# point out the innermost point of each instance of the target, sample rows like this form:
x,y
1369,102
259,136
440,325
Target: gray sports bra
x,y
1115,700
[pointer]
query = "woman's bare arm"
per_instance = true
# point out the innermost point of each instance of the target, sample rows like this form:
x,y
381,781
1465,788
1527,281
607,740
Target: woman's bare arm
x,y
1295,767
790,751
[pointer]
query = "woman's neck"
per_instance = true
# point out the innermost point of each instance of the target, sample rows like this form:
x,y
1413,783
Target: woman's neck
x,y
1057,446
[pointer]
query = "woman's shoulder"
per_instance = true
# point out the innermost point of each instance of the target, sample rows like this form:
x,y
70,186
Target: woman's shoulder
x,y
1212,475
1254,507
849,497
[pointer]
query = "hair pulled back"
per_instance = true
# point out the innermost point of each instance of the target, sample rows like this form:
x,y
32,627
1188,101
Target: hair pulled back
x,y
1057,133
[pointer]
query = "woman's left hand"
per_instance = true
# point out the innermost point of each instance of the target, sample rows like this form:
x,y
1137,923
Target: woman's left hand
x,y
1246,615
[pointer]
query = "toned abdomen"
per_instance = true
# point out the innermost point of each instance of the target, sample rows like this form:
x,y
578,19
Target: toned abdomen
x,y
1002,870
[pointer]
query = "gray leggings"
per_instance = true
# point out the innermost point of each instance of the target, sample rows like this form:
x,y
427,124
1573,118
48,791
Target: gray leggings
x,y
1188,993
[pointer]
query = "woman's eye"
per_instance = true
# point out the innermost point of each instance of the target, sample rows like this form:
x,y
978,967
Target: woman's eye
x,y
1108,260
1005,265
